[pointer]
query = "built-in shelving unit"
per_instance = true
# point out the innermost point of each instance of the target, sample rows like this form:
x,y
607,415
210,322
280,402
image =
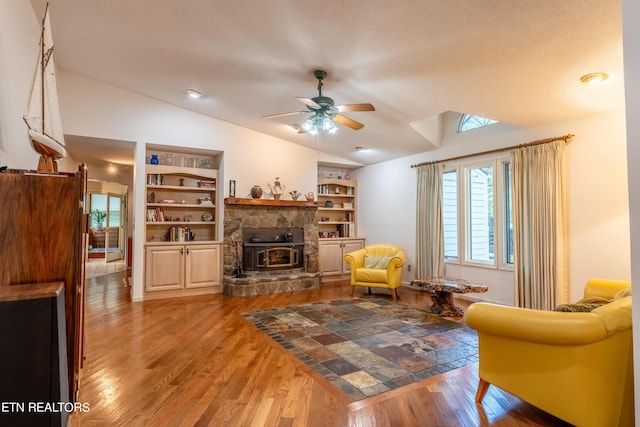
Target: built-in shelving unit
x,y
337,225
183,253
182,198
336,208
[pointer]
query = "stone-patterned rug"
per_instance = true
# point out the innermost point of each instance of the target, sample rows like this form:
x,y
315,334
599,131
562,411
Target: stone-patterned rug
x,y
370,345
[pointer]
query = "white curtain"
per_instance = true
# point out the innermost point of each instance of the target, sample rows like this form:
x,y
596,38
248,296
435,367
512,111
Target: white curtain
x,y
429,233
539,226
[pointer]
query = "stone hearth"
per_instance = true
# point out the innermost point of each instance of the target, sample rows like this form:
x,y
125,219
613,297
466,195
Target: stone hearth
x,y
258,213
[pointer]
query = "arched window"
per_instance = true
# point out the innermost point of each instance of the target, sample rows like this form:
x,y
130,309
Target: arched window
x,y
469,121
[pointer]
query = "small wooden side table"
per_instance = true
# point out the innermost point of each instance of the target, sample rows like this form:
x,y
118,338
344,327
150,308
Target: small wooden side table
x,y
442,290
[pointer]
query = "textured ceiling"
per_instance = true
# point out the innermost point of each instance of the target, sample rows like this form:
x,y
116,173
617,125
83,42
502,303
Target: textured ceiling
x,y
515,61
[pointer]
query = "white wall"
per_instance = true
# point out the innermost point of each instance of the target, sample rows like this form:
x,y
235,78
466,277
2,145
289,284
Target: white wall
x,y
597,203
19,35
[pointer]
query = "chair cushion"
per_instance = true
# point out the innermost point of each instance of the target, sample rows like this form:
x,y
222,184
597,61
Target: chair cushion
x,y
380,261
374,275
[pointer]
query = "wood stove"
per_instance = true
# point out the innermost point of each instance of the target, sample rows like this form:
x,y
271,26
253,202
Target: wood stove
x,y
266,249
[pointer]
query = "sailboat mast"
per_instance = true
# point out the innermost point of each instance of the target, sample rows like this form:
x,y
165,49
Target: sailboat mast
x,y
42,59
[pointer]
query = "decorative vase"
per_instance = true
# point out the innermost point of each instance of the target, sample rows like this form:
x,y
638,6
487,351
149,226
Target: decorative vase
x,y
310,196
276,189
154,159
312,263
256,191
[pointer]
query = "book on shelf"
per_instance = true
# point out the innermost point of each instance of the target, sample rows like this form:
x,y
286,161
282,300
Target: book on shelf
x,y
155,215
346,230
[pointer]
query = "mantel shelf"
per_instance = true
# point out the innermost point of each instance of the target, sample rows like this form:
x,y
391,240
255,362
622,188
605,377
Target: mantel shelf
x,y
270,202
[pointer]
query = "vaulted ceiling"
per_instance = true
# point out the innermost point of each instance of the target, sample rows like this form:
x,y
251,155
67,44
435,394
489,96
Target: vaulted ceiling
x,y
517,62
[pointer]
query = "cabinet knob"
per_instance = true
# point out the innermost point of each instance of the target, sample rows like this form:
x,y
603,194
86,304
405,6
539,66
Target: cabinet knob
x,y
181,251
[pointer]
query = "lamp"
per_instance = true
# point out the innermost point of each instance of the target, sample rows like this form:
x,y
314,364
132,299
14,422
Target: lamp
x,y
320,121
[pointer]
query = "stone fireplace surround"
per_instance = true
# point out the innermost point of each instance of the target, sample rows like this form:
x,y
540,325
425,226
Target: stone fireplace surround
x,y
242,213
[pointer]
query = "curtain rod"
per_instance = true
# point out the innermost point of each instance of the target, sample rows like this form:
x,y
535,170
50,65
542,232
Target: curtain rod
x,y
564,138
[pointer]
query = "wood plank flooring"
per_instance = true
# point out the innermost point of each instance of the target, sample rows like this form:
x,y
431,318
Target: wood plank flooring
x,y
196,362
99,267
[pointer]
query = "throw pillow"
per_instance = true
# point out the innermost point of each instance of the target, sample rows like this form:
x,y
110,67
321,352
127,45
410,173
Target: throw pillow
x,y
582,306
621,294
380,261
576,308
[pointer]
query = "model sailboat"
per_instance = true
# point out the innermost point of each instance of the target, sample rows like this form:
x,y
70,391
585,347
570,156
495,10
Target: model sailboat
x,y
43,112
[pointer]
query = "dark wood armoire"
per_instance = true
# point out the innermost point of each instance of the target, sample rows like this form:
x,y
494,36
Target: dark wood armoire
x,y
43,229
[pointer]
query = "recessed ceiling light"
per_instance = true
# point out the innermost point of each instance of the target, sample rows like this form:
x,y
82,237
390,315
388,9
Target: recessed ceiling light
x,y
594,78
194,93
360,148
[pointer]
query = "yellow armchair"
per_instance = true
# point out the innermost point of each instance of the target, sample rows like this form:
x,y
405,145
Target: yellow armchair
x,y
377,266
575,366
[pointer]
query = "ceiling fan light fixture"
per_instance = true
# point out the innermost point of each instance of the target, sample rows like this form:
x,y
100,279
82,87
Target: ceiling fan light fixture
x,y
307,125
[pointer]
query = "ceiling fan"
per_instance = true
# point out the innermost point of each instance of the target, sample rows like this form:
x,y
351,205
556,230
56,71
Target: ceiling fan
x,y
324,113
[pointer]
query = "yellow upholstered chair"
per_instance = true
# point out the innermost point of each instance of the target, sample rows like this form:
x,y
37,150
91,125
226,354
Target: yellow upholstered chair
x,y
575,366
377,266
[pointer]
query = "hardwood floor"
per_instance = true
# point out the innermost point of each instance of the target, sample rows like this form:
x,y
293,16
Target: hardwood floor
x,y
99,267
196,362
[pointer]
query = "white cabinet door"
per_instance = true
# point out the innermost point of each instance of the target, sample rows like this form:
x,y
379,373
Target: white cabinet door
x,y
164,268
350,246
330,256
202,266
332,252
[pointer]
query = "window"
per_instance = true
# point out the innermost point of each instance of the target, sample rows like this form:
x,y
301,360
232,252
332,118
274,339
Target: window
x,y
480,222
450,214
508,215
477,214
468,122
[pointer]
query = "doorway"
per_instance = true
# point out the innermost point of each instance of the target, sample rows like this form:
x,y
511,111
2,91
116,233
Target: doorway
x,y
107,231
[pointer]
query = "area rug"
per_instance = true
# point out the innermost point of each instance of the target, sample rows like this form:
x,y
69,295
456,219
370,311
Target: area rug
x,y
370,345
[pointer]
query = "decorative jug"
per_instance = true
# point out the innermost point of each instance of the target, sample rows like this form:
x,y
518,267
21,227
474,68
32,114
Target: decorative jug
x,y
256,191
294,194
310,196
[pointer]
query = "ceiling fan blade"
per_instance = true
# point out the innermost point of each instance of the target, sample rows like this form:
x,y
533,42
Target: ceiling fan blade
x,y
348,122
271,116
355,107
308,102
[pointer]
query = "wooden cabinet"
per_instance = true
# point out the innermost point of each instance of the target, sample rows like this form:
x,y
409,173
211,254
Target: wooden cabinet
x,y
43,236
164,268
336,208
202,266
181,270
183,253
331,255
